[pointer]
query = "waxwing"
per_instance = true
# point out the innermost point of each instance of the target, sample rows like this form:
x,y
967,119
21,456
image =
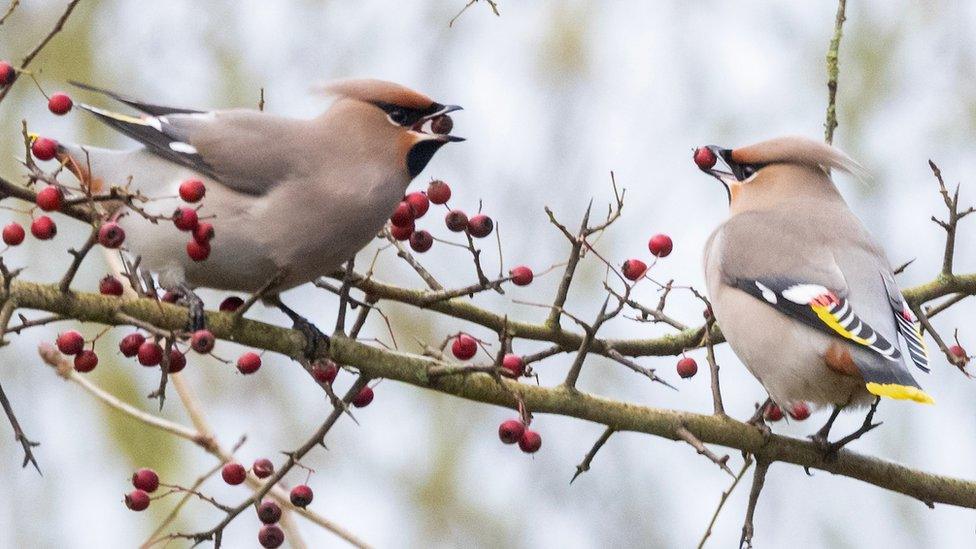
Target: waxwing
x,y
804,295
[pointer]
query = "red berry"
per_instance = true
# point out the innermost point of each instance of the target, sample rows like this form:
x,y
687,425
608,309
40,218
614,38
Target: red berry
x,y
419,204
130,344
438,192
43,228
301,495
198,251
530,442
170,297
513,364
137,500
773,412
233,473
231,304
634,269
248,363
464,347
110,286
177,361
443,124
480,226
687,367
269,512
421,241
325,371
150,354
704,158
456,221
957,351
263,468
111,235
85,361
660,245
364,397
13,234
401,233
402,215
185,218
49,199
192,190
146,480
800,411
70,342
6,73
59,103
270,536
521,275
511,430
202,341
44,148
204,233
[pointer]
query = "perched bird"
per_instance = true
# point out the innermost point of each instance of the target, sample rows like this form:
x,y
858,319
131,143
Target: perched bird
x,y
290,199
804,295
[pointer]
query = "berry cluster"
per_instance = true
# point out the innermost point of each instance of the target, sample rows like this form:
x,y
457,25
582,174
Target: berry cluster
x,y
187,220
416,204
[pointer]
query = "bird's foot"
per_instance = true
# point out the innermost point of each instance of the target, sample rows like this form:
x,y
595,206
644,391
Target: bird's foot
x,y
830,449
758,419
316,342
193,302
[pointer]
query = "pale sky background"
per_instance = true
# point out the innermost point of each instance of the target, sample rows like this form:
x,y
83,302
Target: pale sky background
x,y
556,95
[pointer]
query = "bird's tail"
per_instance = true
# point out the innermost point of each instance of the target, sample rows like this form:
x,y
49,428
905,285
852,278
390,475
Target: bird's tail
x,y
889,378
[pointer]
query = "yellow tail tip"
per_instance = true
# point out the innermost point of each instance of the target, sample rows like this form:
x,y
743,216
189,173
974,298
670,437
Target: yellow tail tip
x,y
900,392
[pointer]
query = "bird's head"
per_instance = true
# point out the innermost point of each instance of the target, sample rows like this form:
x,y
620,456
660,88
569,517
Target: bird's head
x,y
391,114
778,166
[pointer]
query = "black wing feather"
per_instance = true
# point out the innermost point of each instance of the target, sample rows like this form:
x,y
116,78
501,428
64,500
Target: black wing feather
x,y
148,108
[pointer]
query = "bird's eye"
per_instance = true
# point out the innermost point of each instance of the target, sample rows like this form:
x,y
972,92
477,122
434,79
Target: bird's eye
x,y
398,117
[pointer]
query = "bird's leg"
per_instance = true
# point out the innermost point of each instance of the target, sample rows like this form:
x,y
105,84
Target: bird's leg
x,y
866,426
820,438
195,305
315,340
758,419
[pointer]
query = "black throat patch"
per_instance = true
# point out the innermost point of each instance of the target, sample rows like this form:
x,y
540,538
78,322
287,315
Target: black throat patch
x,y
420,154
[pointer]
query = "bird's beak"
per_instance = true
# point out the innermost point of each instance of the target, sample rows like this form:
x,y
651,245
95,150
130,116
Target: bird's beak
x,y
729,177
423,125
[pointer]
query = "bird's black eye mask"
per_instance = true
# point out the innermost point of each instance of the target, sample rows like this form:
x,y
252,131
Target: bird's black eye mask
x,y
405,116
740,171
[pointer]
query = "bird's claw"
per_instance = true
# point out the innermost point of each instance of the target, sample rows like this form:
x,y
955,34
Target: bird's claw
x,y
316,342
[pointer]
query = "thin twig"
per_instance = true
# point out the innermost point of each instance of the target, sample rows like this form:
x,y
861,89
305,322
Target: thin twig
x,y
699,446
584,465
725,496
19,435
758,481
833,70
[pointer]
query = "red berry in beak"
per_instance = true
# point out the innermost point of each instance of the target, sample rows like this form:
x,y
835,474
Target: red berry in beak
x,y
43,228
530,442
480,226
130,344
146,480
687,367
704,158
111,235
13,234
49,199
192,190
510,431
443,124
438,192
364,397
521,275
419,204
660,245
233,473
464,347
110,286
513,365
634,269
86,361
70,342
402,215
44,148
456,221
59,103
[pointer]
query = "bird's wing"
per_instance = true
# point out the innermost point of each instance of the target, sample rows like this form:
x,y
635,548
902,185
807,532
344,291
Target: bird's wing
x,y
247,151
907,325
148,108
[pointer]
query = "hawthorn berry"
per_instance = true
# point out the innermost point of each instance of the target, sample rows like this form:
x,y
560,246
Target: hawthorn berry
x,y
270,536
263,468
85,361
325,371
403,215
456,221
150,353
513,365
799,411
634,269
13,234
438,192
687,367
530,442
111,235
421,241
233,473
958,352
301,495
198,251
521,275
6,73
204,233
192,190
59,103
704,158
464,347
231,304
480,226
443,124
170,296
43,228
129,346
44,148
70,342
364,397
49,198
660,245
146,480
510,431
185,218
202,341
401,233
269,512
137,500
177,361
418,202
248,363
773,412
110,286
